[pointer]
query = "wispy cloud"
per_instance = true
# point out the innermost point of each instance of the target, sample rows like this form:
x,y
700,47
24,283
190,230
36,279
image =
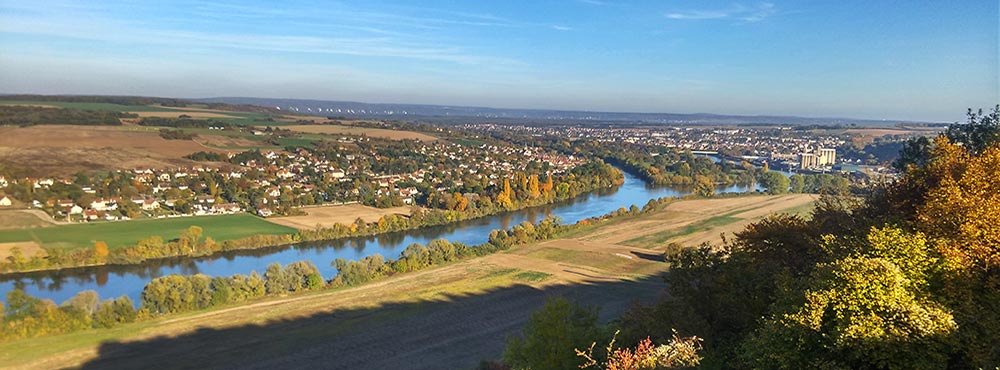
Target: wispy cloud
x,y
755,13
561,28
403,36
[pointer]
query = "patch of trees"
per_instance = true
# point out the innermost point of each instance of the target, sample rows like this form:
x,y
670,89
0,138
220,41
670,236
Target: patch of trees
x,y
26,316
182,122
417,256
176,134
669,167
120,100
561,323
207,157
141,100
180,293
191,242
882,150
907,278
29,116
823,183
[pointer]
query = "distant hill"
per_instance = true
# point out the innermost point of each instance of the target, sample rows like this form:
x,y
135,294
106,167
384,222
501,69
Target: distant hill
x,y
347,109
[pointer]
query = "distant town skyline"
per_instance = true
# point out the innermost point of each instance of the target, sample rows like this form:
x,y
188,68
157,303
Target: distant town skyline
x,y
855,59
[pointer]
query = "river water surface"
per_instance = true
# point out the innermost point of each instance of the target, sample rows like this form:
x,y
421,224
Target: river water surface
x,y
114,281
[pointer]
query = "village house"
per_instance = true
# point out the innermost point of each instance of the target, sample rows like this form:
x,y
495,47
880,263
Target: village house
x,y
226,208
99,204
150,204
6,201
91,214
274,191
43,183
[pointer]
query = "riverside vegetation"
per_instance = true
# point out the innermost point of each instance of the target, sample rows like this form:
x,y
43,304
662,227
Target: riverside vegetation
x,y
524,191
27,316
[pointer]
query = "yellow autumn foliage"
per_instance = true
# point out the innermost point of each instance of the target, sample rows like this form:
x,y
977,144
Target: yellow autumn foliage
x,y
963,203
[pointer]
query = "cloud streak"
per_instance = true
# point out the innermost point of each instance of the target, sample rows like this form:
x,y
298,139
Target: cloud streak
x,y
410,38
756,13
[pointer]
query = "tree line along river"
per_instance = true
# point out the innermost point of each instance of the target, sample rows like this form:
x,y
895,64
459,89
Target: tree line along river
x,y
115,281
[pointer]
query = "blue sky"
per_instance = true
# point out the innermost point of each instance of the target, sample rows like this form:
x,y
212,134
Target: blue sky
x,y
926,60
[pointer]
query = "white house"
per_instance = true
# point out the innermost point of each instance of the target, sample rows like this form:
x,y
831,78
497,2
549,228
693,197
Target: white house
x,y
5,201
99,204
150,204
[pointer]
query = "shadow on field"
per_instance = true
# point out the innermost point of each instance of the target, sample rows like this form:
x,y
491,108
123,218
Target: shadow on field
x,y
453,333
650,257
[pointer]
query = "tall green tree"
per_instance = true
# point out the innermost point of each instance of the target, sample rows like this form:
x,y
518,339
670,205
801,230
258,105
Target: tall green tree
x,y
774,182
552,334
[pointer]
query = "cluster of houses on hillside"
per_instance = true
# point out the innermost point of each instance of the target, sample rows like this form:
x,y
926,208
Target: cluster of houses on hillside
x,y
289,178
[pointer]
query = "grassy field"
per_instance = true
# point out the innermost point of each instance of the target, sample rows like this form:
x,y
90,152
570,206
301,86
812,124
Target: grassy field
x,y
693,223
450,316
353,130
23,219
121,234
327,216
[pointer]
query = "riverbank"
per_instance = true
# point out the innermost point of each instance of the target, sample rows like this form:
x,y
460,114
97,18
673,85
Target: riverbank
x,y
455,314
190,242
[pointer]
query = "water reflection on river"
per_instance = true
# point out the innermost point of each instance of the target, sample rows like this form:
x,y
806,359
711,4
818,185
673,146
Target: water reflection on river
x,y
114,281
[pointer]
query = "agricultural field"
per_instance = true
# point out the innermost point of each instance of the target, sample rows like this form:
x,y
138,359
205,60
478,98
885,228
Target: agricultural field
x,y
239,118
697,222
327,216
24,219
457,314
352,130
53,150
126,233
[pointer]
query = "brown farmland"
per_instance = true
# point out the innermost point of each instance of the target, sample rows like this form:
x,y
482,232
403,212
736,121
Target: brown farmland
x,y
351,130
60,150
327,216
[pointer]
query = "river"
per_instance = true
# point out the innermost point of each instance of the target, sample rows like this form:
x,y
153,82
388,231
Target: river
x,y
115,281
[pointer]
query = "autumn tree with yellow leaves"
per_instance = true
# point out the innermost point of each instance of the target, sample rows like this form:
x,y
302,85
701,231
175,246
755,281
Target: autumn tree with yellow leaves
x,y
908,278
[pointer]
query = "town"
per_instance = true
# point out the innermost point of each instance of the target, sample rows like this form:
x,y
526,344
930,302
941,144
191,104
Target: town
x,y
789,148
380,173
